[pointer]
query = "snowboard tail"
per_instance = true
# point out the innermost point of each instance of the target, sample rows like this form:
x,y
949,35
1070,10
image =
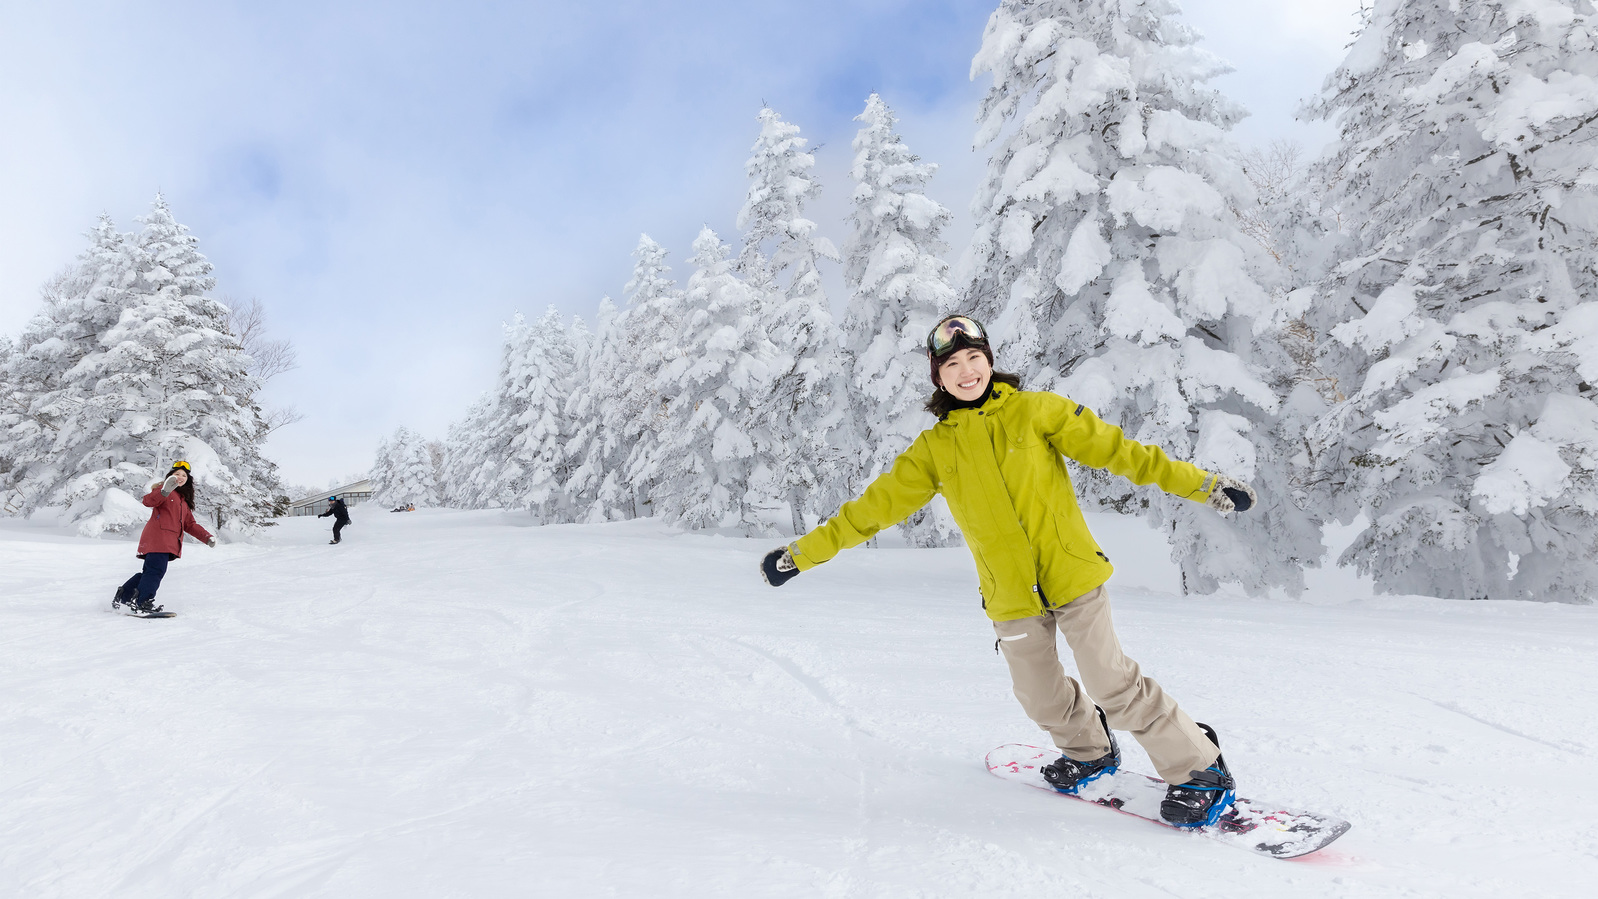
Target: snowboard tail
x,y
1248,824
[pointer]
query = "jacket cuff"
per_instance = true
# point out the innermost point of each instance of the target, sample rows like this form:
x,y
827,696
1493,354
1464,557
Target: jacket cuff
x,y
800,560
1202,494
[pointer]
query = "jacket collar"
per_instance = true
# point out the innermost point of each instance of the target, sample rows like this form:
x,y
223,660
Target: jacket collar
x,y
1001,393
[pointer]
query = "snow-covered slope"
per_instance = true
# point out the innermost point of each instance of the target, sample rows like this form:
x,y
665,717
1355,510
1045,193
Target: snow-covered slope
x,y
449,704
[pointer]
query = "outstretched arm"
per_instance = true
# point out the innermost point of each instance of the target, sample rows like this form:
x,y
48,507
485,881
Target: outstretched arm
x,y
1075,432
193,528
888,500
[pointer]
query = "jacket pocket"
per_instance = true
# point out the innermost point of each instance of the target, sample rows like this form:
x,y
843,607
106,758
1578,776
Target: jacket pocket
x,y
1077,542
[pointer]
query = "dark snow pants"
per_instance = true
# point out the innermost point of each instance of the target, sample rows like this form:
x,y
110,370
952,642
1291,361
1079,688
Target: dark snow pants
x,y
149,580
338,526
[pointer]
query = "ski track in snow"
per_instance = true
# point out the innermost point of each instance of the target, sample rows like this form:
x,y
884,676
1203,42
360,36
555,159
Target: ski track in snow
x,y
1449,706
455,704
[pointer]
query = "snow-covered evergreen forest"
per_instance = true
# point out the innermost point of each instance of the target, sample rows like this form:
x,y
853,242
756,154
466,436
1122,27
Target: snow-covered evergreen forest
x,y
1400,334
1403,334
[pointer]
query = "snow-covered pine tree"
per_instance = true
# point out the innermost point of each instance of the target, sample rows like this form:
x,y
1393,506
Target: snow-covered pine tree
x,y
596,489
12,406
136,368
710,462
898,286
581,341
809,407
1463,306
403,471
496,481
543,383
466,458
54,412
1109,263
186,379
635,412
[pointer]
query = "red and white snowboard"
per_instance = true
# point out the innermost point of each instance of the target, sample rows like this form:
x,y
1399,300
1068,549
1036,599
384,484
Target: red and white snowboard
x,y
1251,825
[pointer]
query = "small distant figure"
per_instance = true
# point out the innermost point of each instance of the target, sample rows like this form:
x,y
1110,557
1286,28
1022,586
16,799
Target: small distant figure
x,y
404,507
341,517
161,541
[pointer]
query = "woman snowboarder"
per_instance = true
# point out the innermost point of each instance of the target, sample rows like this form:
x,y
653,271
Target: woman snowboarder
x,y
162,539
995,455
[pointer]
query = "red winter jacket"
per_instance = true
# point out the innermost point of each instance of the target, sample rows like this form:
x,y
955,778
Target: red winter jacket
x,y
163,533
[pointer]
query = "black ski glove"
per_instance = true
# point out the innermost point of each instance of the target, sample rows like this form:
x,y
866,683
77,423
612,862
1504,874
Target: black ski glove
x,y
778,567
1231,495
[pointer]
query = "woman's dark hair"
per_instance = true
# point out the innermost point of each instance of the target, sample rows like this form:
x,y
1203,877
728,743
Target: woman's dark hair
x,y
186,489
942,402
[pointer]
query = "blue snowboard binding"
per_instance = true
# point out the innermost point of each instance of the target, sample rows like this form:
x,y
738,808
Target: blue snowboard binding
x,y
1203,800
1069,776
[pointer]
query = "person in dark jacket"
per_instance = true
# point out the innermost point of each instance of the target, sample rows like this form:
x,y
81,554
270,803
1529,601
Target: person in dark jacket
x,y
161,541
341,516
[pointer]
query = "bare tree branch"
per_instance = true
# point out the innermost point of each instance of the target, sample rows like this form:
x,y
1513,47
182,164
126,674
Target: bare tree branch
x,y
280,416
269,357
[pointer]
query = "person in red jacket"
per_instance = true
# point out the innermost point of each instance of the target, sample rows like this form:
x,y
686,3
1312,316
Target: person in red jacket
x,y
162,538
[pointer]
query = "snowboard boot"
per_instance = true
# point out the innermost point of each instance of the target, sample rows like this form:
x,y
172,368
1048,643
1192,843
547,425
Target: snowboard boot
x,y
141,605
1201,801
121,600
1068,775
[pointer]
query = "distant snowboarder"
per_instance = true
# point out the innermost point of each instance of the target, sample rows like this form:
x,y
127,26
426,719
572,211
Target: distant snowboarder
x,y
995,455
341,517
161,541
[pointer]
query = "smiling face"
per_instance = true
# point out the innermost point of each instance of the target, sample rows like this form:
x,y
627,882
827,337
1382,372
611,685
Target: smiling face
x,y
182,476
965,374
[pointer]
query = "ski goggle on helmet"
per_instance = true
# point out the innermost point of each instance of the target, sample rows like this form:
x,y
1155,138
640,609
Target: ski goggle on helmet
x,y
183,465
953,329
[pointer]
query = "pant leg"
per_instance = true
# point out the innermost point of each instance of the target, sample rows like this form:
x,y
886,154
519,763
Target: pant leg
x,y
337,526
131,584
1054,702
154,571
1131,701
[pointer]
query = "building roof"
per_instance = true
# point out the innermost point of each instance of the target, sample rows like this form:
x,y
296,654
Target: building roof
x,y
362,486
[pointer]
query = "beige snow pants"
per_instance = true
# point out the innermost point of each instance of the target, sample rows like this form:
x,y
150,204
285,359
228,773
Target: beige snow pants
x,y
1132,702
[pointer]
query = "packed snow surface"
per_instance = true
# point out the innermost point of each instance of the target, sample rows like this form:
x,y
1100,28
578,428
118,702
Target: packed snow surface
x,y
453,704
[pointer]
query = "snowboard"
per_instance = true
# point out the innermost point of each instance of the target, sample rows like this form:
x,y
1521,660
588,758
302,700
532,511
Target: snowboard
x,y
1249,824
117,606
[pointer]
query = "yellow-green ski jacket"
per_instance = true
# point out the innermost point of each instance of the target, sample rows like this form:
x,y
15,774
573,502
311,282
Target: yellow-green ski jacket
x,y
1000,468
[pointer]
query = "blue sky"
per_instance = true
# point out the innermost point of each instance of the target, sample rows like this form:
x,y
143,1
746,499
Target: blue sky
x,y
394,180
